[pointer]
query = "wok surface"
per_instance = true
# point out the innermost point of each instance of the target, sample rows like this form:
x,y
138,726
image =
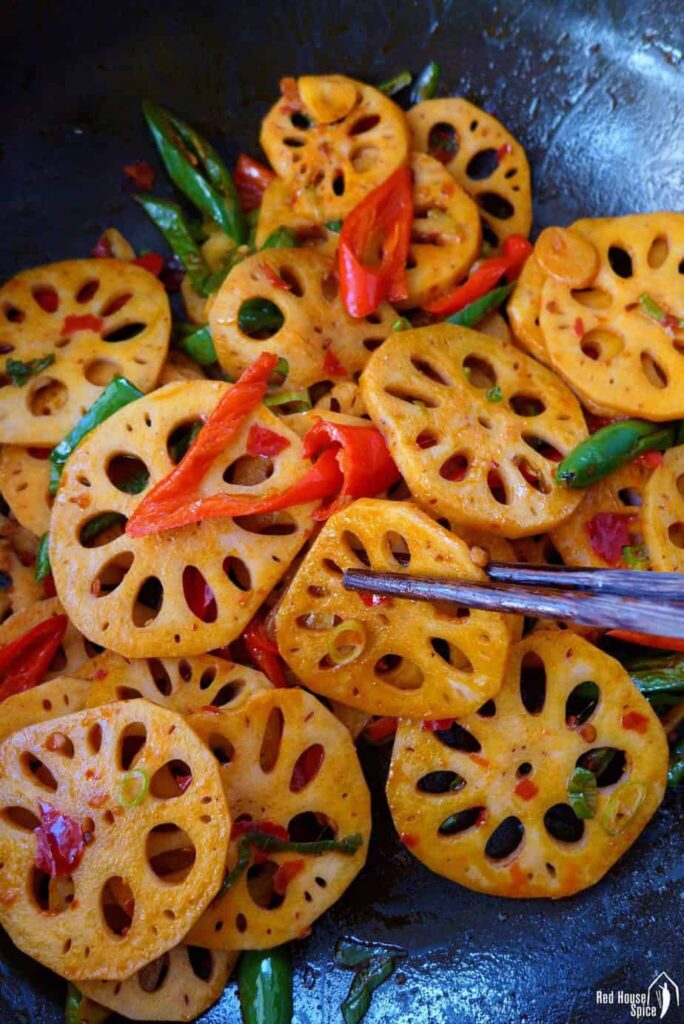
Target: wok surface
x,y
595,92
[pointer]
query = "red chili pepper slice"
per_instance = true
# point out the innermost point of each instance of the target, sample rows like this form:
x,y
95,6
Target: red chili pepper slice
x,y
60,842
332,367
263,651
285,873
662,643
82,322
39,453
503,151
516,250
151,261
264,442
25,661
609,534
140,175
251,179
635,721
381,729
381,222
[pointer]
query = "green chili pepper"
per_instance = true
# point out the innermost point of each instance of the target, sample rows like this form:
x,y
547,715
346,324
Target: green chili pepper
x,y
43,558
118,393
402,323
19,372
636,556
494,394
391,86
299,398
356,1005
471,314
174,226
333,225
611,447
353,952
140,781
197,170
582,793
281,238
272,844
258,315
426,84
265,986
196,342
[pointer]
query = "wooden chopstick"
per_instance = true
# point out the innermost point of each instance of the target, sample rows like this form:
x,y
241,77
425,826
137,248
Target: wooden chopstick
x,y
609,611
630,582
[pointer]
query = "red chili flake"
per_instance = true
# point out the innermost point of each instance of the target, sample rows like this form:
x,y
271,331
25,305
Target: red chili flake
x,y
651,460
101,673
578,327
503,151
209,709
409,840
102,249
267,828
670,322
274,278
47,299
609,534
306,767
526,789
151,261
285,873
482,761
373,600
635,721
140,176
83,322
60,842
438,724
332,367
264,442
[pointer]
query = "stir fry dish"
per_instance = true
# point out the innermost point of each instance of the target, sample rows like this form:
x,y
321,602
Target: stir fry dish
x,y
348,356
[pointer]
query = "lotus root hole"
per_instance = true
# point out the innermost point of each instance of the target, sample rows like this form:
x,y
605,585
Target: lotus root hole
x,y
172,780
118,905
271,740
171,853
505,839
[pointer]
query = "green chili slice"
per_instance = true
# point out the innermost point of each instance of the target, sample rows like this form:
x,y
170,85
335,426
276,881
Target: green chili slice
x,y
402,323
621,808
475,311
265,986
196,342
174,226
281,238
346,642
118,393
494,394
196,170
72,1010
426,84
636,556
583,792
391,86
300,399
139,782
611,447
20,372
675,775
367,980
42,567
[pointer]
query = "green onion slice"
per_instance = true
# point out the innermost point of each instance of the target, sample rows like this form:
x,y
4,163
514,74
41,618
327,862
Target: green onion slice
x,y
622,806
583,792
347,642
133,789
289,398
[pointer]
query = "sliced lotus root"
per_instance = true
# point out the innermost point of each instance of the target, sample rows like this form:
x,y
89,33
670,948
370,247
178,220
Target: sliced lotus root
x,y
600,338
24,484
129,594
484,801
98,318
495,326
397,657
183,685
662,515
446,235
523,309
122,903
60,696
587,541
74,650
178,366
475,427
179,985
483,157
319,339
287,760
333,164
20,590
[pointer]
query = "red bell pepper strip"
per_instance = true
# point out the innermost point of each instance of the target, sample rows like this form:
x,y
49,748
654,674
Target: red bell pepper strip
x,y
663,643
25,661
263,651
60,842
251,180
264,442
382,221
216,434
516,249
366,464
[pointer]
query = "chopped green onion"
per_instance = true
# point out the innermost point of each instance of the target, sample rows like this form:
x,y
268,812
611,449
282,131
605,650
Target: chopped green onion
x,y
636,556
345,653
333,225
281,238
582,793
299,398
139,781
426,84
118,393
196,342
621,808
391,86
494,394
402,323
43,558
20,372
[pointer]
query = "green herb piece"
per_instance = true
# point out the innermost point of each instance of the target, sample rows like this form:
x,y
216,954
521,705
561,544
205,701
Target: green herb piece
x,y
475,311
391,86
426,84
582,793
19,372
281,238
272,844
494,394
42,568
651,308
